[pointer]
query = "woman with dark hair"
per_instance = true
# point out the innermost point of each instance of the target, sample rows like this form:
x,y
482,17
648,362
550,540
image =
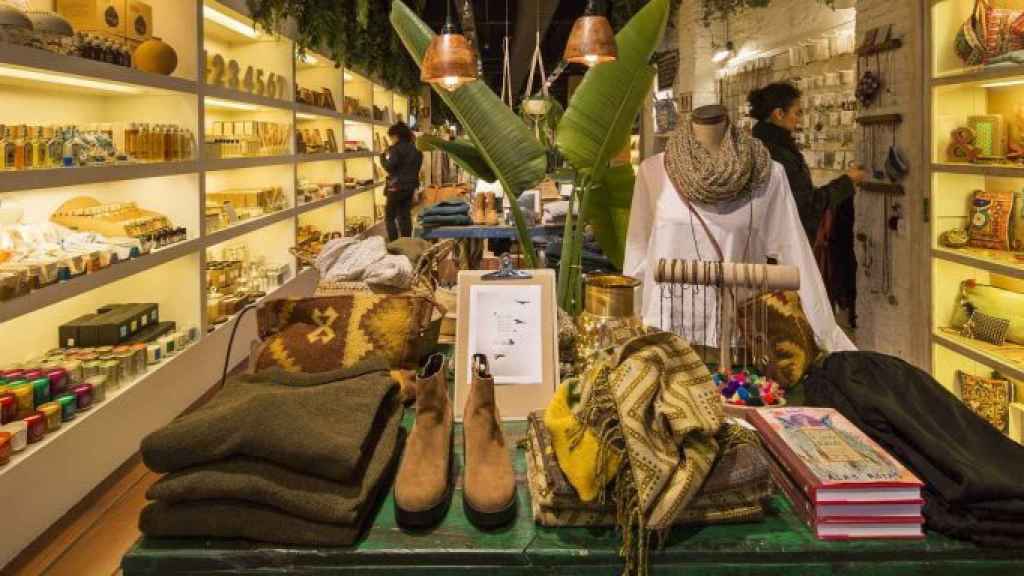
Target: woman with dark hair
x,y
826,212
778,111
402,162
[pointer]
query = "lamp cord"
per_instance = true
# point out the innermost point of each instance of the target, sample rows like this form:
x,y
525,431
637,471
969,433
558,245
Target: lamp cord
x,y
231,342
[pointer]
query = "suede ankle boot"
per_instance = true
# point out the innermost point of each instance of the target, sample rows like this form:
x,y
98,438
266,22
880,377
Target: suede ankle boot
x,y
423,488
478,214
491,209
489,486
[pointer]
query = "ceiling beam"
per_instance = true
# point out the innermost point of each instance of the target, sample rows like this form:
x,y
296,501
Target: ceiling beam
x,y
525,37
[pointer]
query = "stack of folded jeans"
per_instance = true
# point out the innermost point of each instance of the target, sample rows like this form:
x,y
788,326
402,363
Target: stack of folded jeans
x,y
291,462
447,213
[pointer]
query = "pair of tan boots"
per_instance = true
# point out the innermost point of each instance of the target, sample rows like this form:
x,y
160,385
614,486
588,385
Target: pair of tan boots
x,y
485,209
426,477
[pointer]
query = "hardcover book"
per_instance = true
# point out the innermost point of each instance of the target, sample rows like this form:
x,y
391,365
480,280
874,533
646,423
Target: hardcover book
x,y
831,460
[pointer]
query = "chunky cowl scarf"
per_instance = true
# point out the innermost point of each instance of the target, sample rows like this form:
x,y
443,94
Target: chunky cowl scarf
x,y
741,165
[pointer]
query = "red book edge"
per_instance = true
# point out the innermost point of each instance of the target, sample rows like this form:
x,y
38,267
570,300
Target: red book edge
x,y
801,472
809,514
920,536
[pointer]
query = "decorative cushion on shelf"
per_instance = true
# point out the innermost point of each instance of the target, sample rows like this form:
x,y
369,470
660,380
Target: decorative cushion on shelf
x,y
992,302
989,398
323,334
986,328
990,220
775,323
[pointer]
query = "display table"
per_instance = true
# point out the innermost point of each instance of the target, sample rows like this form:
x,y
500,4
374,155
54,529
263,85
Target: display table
x,y
472,238
781,545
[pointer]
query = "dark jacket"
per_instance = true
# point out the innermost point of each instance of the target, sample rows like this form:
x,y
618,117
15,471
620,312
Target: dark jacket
x,y
810,201
402,163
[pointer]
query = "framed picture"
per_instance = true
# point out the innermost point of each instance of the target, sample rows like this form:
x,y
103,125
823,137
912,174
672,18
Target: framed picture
x,y
514,323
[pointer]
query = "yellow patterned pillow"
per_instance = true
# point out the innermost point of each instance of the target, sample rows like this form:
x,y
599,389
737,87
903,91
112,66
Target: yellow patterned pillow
x,y
774,327
323,334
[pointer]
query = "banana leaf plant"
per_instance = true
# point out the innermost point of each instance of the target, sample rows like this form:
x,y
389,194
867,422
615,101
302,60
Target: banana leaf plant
x,y
596,126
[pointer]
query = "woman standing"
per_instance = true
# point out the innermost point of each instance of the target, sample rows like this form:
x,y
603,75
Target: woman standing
x,y
402,161
826,212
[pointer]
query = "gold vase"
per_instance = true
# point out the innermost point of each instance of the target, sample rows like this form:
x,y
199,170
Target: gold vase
x,y
609,317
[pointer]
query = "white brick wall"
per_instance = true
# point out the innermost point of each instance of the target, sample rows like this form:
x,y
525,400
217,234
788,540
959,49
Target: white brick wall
x,y
901,329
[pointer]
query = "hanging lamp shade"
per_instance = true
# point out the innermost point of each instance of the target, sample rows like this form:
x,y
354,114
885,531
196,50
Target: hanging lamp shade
x,y
592,40
450,61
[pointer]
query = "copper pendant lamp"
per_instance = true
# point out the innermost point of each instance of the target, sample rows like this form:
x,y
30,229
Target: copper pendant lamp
x,y
450,61
592,41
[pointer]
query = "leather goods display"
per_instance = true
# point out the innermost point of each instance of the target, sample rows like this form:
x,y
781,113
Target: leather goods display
x,y
989,398
993,302
779,317
990,220
324,334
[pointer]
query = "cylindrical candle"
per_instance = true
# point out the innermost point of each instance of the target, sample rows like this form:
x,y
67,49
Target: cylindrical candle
x,y
111,370
19,434
139,355
180,340
36,427
31,375
41,391
5,448
13,375
99,385
8,407
83,397
52,413
154,353
23,394
168,345
126,359
58,381
68,407
74,369
91,368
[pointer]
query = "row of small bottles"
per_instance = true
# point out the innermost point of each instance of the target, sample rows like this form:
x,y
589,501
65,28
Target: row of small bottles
x,y
34,147
102,50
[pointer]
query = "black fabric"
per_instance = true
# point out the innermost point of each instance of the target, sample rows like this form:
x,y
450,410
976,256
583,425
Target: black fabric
x,y
402,163
810,201
398,213
974,475
843,289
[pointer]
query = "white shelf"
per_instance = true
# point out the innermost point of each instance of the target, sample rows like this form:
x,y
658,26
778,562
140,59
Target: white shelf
x,y
248,226
981,352
981,74
73,66
224,93
991,260
317,111
321,157
1002,171
317,204
16,180
247,162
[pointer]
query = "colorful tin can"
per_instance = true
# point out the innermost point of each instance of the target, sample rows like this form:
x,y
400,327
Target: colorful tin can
x,y
68,406
36,424
52,413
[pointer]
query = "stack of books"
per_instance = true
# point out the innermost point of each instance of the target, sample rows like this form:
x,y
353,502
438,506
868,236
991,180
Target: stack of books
x,y
841,483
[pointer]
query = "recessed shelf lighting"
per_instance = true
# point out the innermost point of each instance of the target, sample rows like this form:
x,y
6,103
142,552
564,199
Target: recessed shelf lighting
x,y
25,74
230,105
349,77
1004,83
233,24
305,116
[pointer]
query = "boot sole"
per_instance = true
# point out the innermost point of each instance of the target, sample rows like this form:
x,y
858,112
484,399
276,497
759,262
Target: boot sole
x,y
491,520
425,519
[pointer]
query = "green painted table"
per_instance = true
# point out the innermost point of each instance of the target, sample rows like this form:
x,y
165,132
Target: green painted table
x,y
781,545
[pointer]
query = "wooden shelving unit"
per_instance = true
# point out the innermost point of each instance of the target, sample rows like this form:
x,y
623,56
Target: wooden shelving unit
x,y
71,90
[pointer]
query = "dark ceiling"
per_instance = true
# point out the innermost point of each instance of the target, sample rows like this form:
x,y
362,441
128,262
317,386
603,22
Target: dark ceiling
x,y
518,19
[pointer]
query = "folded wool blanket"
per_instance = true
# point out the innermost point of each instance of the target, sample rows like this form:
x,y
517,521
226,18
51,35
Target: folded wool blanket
x,y
973,474
352,260
446,208
295,421
438,221
308,497
738,482
411,248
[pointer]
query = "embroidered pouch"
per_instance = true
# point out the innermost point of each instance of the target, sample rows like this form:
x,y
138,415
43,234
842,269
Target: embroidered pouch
x,y
993,302
989,226
775,322
986,328
989,398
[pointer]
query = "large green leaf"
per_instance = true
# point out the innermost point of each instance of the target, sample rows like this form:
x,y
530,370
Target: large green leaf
x,y
504,141
462,151
602,112
607,210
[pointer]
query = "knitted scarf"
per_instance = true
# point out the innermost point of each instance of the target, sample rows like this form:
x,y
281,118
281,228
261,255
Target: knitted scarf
x,y
741,166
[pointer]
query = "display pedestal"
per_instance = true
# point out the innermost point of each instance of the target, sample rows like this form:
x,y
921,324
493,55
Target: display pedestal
x,y
781,545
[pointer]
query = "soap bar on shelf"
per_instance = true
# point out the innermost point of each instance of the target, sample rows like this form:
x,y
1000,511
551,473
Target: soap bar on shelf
x,y
36,424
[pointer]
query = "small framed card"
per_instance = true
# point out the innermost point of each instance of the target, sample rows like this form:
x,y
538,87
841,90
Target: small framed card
x,y
515,324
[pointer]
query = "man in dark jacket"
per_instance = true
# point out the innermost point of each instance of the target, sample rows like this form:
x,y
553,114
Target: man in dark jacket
x,y
402,161
778,111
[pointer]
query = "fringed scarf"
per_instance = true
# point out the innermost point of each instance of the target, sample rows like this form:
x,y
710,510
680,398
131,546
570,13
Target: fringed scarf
x,y
652,402
742,165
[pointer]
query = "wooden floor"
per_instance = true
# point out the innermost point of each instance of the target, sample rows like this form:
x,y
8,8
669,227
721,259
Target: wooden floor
x,y
91,539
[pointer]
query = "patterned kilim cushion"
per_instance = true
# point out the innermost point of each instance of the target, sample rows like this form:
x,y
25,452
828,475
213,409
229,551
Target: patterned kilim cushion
x,y
322,334
987,397
775,327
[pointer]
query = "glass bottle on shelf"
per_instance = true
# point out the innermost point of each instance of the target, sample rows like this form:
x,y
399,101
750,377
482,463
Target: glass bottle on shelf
x,y
142,143
170,144
3,147
54,145
131,138
39,148
22,149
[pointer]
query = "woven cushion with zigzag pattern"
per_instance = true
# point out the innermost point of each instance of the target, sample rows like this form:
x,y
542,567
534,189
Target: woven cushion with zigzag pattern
x,y
775,327
324,334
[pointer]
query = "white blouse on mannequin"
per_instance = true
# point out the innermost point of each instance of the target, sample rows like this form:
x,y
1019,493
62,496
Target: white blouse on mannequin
x,y
661,226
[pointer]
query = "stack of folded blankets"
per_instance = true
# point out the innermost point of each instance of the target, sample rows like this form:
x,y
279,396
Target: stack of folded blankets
x,y
446,213
298,460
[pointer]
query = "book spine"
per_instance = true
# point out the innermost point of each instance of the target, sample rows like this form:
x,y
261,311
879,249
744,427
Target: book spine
x,y
791,463
801,505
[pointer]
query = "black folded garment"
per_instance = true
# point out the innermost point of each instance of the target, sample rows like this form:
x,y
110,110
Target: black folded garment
x,y
974,474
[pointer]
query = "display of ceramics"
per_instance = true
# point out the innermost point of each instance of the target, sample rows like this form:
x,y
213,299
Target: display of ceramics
x,y
156,56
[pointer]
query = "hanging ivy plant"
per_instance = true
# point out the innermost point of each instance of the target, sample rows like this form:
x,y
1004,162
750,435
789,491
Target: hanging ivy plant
x,y
357,34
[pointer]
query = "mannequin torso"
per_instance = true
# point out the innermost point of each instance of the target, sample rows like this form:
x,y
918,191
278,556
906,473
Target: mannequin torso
x,y
709,126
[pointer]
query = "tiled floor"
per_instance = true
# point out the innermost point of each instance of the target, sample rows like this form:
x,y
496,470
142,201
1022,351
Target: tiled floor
x,y
91,539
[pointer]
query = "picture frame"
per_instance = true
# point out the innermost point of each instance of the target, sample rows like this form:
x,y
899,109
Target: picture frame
x,y
525,312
